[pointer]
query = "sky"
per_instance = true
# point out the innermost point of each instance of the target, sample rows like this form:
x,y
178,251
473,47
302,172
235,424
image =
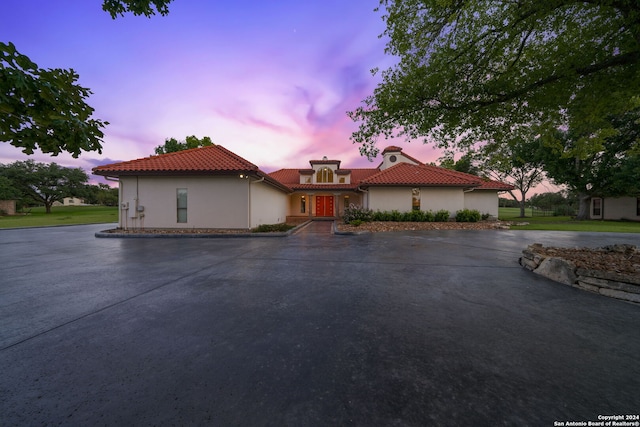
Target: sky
x,y
269,80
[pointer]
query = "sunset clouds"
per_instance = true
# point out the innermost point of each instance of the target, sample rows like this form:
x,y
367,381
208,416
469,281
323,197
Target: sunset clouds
x,y
269,82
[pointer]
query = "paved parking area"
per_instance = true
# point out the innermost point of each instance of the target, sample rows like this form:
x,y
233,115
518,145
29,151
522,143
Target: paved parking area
x,y
431,328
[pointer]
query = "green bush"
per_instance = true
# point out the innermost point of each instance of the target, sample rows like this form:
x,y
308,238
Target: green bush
x,y
485,216
353,213
271,228
442,216
356,222
467,215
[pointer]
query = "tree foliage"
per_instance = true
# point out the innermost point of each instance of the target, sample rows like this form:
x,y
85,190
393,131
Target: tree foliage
x,y
172,145
45,108
471,70
610,167
137,7
467,163
516,161
44,183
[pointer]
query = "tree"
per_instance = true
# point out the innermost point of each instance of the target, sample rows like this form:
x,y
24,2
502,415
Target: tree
x,y
100,194
597,164
466,163
8,191
45,183
172,145
46,108
517,162
471,70
137,7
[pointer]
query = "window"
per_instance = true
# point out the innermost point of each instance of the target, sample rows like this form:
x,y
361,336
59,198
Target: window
x,y
324,175
415,196
182,204
303,204
597,207
346,202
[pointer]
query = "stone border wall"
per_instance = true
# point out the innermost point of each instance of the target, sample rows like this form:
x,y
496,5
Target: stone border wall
x,y
616,285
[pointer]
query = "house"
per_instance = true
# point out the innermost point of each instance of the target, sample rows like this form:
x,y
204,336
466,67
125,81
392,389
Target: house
x,y
615,208
70,201
211,187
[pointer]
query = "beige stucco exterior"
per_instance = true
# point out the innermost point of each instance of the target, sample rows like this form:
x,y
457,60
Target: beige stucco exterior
x,y
390,198
484,201
615,208
268,205
435,199
212,202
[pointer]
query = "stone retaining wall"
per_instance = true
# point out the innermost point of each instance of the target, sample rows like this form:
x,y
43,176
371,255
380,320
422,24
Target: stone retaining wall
x,y
616,285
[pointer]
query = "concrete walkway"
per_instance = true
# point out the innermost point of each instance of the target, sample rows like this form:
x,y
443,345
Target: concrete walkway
x,y
428,328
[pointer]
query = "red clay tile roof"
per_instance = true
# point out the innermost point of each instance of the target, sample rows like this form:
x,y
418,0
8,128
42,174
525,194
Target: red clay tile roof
x,y
214,158
488,184
392,148
421,175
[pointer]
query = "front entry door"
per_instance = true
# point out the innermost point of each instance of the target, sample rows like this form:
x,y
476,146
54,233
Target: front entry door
x,y
324,205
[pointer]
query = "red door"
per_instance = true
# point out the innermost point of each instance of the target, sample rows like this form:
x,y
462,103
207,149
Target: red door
x,y
324,205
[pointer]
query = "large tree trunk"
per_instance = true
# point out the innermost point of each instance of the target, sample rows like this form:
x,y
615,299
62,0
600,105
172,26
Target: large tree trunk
x,y
583,207
47,207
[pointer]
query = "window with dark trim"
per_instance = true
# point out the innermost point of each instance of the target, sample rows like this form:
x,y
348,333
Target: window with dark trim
x,y
415,199
181,194
597,207
303,204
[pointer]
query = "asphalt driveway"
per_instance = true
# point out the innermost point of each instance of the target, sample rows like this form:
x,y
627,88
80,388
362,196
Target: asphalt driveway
x,y
429,328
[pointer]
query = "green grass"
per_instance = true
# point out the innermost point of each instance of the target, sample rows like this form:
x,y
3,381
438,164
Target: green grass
x,y
565,223
62,215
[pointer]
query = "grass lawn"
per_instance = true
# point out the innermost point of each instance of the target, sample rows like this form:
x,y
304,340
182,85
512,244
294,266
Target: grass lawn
x,y
62,215
565,223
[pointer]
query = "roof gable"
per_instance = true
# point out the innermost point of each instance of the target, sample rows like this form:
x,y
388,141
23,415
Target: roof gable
x,y
211,159
422,175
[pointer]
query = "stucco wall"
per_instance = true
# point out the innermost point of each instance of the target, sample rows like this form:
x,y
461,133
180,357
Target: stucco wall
x,y
484,201
619,208
390,198
435,199
268,204
212,202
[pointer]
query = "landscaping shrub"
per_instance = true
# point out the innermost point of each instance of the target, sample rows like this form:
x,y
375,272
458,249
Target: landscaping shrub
x,y
442,216
467,215
485,216
271,228
353,213
356,222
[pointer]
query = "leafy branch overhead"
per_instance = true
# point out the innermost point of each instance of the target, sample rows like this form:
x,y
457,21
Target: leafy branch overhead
x,y
470,70
45,108
137,7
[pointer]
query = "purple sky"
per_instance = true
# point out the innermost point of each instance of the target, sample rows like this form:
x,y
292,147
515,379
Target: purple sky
x,y
269,82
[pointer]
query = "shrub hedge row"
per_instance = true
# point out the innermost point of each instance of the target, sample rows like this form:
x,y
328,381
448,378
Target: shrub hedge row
x,y
359,215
